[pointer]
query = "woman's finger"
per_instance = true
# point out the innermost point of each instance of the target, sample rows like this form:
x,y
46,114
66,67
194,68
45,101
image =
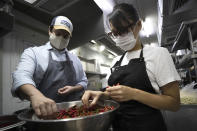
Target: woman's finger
x,y
85,98
94,101
114,88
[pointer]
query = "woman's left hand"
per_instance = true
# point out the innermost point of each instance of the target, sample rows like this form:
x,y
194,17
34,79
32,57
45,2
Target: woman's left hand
x,y
121,93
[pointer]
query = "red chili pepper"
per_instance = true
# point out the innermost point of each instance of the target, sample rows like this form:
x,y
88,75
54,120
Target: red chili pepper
x,y
82,111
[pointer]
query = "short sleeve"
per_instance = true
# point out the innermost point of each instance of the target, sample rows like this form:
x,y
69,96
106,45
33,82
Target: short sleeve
x,y
165,71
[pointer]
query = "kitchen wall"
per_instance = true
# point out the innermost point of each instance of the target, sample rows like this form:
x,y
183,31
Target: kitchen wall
x,y
87,52
11,47
102,67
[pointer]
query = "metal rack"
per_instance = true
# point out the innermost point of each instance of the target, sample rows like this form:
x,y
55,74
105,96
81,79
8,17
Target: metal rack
x,y
184,39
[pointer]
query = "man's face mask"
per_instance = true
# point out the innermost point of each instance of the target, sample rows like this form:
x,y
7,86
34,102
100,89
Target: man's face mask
x,y
58,41
125,42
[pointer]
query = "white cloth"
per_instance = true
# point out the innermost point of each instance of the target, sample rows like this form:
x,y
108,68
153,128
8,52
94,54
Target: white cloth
x,y
159,65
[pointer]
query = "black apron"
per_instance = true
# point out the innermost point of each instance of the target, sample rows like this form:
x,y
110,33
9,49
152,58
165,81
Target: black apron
x,y
133,115
58,75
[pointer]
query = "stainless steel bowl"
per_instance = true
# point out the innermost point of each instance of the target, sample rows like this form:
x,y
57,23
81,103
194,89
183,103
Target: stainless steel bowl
x,y
98,122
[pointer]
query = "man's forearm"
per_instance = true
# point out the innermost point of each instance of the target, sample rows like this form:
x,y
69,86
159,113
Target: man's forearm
x,y
28,90
78,87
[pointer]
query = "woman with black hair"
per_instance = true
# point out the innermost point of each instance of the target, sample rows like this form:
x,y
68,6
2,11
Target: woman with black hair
x,y
143,80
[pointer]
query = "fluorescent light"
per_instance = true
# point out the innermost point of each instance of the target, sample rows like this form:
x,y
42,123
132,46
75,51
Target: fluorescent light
x,y
101,48
93,41
147,27
180,52
30,1
110,56
105,5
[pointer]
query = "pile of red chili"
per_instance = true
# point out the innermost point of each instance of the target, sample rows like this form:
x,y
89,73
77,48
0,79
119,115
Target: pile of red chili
x,y
79,111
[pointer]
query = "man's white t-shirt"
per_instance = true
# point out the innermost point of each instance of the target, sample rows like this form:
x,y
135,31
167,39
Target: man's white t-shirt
x,y
159,65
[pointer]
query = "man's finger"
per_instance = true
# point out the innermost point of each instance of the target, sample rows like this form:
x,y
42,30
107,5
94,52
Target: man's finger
x,y
37,111
49,109
43,110
54,107
62,89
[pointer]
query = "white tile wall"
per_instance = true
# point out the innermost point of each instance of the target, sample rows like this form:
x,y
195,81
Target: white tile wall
x,y
12,46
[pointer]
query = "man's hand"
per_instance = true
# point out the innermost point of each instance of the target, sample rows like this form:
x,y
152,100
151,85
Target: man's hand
x,y
121,93
66,90
94,96
43,106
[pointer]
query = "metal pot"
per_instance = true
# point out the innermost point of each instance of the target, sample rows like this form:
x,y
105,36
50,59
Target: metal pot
x,y
10,121
98,122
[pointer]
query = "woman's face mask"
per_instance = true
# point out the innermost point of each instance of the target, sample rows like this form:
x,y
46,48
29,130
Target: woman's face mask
x,y
58,41
125,42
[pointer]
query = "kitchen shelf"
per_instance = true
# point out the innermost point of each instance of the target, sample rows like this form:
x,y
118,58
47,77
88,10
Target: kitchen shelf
x,y
86,60
91,73
185,38
185,62
182,40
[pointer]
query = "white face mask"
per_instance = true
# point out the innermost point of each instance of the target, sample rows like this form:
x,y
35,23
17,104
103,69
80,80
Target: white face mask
x,y
126,42
58,41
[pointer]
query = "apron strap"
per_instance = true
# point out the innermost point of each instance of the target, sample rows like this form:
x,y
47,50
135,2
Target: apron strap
x,y
118,63
67,57
141,53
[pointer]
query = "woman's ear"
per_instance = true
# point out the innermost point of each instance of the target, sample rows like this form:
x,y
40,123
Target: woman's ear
x,y
139,24
49,30
137,29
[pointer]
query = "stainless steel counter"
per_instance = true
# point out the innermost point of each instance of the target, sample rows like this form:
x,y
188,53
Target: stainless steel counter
x,y
183,120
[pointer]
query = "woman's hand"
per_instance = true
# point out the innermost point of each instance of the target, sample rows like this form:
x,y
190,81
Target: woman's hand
x,y
94,96
121,93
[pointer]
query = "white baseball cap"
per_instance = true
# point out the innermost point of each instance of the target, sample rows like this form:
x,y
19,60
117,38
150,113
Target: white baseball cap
x,y
62,22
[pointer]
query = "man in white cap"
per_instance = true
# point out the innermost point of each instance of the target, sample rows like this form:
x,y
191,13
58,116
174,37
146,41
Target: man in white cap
x,y
48,74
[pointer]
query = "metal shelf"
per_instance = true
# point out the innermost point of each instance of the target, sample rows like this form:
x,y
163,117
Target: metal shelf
x,y
185,62
91,73
182,40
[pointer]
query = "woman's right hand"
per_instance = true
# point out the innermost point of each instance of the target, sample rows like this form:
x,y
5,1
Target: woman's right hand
x,y
94,96
44,107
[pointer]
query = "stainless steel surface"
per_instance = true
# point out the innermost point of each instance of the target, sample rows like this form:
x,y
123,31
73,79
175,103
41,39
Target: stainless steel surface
x,y
183,120
9,122
98,122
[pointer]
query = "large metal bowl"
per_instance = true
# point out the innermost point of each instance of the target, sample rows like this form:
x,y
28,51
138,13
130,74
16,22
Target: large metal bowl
x,y
98,122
